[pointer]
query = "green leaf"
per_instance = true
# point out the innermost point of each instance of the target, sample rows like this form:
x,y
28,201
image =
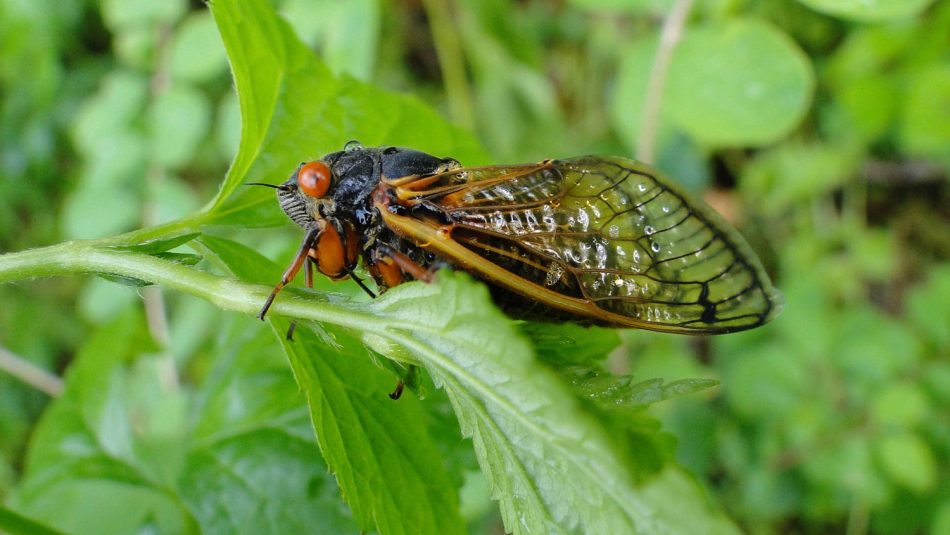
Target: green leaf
x,y
293,108
869,10
185,259
87,471
159,245
909,461
629,95
93,212
739,82
531,436
387,466
667,496
925,120
17,524
613,392
178,120
560,344
901,406
347,33
796,173
196,53
122,15
253,465
928,306
125,447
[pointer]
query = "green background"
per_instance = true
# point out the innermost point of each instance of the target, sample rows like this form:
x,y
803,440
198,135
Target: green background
x,y
820,128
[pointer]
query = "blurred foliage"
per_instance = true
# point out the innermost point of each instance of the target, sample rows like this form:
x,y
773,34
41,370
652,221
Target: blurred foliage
x,y
821,127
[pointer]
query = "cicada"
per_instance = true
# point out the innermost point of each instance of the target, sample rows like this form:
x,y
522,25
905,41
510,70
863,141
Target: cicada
x,y
599,240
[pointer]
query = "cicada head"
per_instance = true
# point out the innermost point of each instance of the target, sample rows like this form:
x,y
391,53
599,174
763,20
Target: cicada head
x,y
305,196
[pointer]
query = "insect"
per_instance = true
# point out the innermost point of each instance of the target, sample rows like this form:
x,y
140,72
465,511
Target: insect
x,y
596,239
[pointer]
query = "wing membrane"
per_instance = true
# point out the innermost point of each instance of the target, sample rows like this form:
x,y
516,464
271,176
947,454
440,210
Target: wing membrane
x,y
609,233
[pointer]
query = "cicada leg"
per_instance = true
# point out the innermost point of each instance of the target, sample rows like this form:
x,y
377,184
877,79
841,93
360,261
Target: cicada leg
x,y
308,277
408,265
389,266
395,394
308,242
359,282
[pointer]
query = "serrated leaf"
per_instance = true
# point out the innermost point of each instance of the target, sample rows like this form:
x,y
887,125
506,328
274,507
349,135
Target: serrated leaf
x,y
387,466
239,259
253,465
530,435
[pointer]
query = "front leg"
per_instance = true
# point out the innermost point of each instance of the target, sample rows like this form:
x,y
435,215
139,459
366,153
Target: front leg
x,y
302,254
390,267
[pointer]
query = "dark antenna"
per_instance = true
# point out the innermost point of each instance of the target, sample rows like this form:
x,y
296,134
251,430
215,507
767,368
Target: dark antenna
x,y
266,185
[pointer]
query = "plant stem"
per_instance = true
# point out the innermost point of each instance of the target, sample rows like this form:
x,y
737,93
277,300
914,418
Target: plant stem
x,y
95,257
30,374
669,36
449,51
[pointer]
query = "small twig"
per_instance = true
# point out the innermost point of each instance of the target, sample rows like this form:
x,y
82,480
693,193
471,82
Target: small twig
x,y
30,374
904,173
449,51
669,35
152,297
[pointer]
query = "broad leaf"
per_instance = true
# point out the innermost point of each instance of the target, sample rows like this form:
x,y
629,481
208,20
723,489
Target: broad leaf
x,y
117,452
387,466
551,465
293,108
741,82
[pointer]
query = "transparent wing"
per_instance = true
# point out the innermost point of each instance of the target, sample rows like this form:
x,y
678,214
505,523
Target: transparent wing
x,y
612,233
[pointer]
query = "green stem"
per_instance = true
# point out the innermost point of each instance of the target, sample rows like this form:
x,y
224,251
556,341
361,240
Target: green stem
x,y
449,51
669,37
96,257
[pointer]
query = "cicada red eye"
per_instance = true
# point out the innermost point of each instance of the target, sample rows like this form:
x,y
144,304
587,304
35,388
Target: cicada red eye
x,y
314,179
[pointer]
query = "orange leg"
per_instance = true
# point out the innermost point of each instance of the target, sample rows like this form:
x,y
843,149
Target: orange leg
x,y
409,265
308,276
309,240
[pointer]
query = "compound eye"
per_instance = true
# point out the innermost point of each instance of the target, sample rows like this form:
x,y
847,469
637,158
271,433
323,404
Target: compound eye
x,y
314,179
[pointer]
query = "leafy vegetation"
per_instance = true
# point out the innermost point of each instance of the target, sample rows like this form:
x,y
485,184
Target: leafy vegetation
x,y
819,127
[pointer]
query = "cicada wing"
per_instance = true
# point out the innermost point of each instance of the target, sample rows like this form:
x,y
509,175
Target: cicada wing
x,y
608,233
